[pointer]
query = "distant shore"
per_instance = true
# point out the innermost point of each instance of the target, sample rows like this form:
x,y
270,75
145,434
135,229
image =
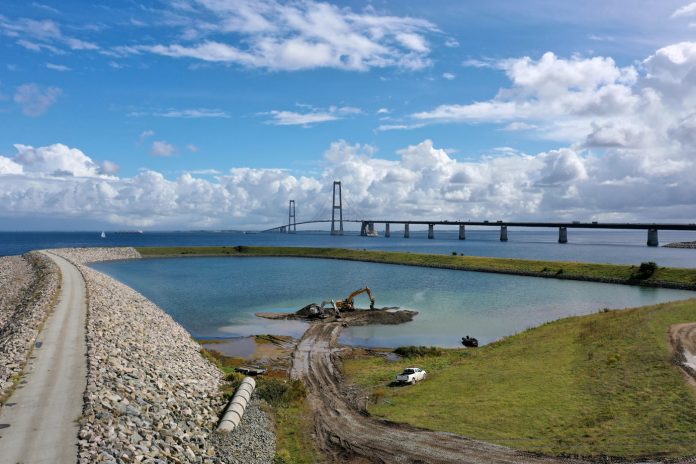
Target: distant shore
x,y
661,277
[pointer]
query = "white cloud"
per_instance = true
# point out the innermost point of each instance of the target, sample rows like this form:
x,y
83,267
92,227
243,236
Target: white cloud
x,y
421,181
34,99
192,148
162,148
311,117
190,113
37,35
451,42
292,36
449,76
687,10
383,111
144,135
393,127
57,67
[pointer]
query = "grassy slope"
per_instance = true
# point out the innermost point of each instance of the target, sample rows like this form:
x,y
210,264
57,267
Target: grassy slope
x,y
602,384
668,277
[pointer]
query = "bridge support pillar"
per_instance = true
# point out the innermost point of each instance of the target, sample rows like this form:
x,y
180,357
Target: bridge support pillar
x,y
282,229
562,235
363,228
407,234
652,238
431,232
387,233
503,234
462,232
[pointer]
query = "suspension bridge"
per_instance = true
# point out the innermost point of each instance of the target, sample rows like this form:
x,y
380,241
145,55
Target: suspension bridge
x,y
367,226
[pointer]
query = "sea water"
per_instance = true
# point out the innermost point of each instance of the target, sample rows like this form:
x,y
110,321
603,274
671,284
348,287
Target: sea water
x,y
217,297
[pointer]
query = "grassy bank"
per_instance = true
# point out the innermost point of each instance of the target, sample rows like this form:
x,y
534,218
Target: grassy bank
x,y
597,385
611,273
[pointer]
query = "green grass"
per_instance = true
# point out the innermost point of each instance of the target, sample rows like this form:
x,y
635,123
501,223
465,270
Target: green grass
x,y
613,273
597,385
294,427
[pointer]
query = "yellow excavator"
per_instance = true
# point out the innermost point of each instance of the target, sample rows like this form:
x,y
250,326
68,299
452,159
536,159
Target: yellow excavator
x,y
348,305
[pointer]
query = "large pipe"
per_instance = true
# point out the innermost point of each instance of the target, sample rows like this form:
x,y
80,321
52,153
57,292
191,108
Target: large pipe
x,y
235,409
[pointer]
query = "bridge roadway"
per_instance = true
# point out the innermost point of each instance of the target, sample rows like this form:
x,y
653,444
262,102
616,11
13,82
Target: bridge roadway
x,y
368,227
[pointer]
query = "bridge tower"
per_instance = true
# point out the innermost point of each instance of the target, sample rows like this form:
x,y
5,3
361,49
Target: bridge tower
x,y
337,206
292,222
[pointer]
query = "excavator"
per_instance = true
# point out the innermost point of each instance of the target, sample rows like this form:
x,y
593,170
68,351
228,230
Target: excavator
x,y
348,305
320,311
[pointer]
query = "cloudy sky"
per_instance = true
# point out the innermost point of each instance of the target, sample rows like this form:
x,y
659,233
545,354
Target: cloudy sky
x,y
214,113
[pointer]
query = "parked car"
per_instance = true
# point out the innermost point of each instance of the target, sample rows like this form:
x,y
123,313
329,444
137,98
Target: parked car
x,y
411,375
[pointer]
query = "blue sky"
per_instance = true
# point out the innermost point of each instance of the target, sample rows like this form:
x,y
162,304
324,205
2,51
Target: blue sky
x,y
451,99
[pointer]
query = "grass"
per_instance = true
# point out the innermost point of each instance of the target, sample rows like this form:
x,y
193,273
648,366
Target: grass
x,y
598,385
288,406
612,273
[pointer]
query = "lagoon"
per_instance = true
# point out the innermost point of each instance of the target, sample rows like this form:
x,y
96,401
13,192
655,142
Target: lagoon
x,y
218,296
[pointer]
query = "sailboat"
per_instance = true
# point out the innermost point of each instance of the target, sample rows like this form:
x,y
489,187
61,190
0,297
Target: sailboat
x,y
103,234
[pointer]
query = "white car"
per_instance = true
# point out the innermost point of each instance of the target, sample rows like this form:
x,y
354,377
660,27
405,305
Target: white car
x,y
411,375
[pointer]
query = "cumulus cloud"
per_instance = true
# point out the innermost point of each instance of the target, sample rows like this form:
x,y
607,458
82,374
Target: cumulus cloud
x,y
421,180
292,36
162,148
36,100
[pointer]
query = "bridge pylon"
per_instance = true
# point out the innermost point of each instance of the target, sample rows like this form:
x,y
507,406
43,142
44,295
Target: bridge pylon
x,y
292,222
337,206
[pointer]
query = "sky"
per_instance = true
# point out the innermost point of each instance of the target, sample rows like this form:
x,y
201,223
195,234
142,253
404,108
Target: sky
x,y
213,114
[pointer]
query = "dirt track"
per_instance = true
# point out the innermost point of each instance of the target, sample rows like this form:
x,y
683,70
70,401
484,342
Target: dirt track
x,y
683,339
347,435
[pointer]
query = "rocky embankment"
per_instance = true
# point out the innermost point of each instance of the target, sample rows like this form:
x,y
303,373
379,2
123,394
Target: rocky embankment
x,y
151,397
681,245
28,287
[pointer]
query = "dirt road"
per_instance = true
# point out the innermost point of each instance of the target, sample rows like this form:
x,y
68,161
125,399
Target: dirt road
x,y
347,435
39,421
683,339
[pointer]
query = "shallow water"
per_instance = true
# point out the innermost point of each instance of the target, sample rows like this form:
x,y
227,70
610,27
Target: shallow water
x,y
217,297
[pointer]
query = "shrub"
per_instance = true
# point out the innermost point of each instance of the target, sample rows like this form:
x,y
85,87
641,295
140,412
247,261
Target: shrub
x,y
416,351
280,392
454,253
645,270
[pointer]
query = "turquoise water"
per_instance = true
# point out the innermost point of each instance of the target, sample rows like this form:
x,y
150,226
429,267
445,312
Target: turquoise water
x,y
217,297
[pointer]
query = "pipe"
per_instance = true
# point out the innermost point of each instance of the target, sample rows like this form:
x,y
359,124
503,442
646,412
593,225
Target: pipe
x,y
235,409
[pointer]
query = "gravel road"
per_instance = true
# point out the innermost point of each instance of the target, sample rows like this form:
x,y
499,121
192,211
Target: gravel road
x,y
41,416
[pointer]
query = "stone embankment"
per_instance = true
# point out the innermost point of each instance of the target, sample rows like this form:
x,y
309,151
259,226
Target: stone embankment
x,y
151,397
681,245
28,287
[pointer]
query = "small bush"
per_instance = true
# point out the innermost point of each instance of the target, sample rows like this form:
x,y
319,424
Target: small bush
x,y
645,270
280,392
454,253
416,351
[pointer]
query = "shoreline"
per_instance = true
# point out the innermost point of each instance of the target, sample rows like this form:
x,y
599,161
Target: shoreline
x,y
662,277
